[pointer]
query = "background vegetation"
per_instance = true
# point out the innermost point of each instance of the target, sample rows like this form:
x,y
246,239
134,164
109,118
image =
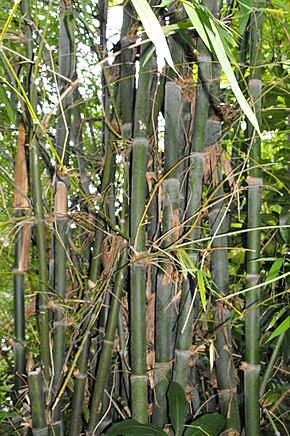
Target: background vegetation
x,y
144,219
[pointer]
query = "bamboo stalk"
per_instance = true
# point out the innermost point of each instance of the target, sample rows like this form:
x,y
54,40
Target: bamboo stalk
x,y
166,284
255,182
137,236
184,334
66,70
75,422
108,343
60,289
39,425
218,222
21,264
35,174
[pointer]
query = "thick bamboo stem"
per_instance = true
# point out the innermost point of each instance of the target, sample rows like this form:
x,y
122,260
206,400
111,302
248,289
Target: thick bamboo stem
x,y
35,172
60,289
21,264
108,342
184,334
66,70
39,425
75,422
166,284
218,222
137,236
255,182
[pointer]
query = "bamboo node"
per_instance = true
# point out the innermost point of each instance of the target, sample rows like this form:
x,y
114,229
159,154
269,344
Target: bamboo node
x,y
245,366
135,377
254,181
232,390
188,87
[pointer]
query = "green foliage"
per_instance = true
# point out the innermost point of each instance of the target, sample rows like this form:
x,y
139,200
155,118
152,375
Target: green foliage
x,y
131,427
177,407
97,252
209,424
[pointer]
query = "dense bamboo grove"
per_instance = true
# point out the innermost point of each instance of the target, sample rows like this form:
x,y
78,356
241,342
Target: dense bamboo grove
x,y
144,218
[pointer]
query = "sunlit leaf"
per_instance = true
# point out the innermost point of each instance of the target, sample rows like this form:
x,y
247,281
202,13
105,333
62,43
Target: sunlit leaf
x,y
153,29
210,35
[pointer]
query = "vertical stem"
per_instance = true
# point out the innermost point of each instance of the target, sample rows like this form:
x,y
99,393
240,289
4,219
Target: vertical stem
x,y
34,155
218,222
66,70
166,284
138,269
255,182
60,289
75,422
108,342
20,205
39,425
194,188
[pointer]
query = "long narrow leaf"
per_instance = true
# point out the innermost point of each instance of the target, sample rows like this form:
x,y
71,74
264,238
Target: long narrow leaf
x,y
210,35
201,287
153,30
283,327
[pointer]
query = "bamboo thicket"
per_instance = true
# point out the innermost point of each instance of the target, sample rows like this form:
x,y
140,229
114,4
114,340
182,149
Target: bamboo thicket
x,y
137,198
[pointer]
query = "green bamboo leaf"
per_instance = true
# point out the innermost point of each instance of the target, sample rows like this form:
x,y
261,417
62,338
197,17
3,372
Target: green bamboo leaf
x,y
187,265
276,317
283,327
275,268
201,287
130,427
163,4
8,105
210,425
210,35
153,30
177,407
245,10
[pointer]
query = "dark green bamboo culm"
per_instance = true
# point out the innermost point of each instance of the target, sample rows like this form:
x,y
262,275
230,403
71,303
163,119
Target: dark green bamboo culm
x,y
36,187
60,290
166,285
37,401
21,206
66,71
196,162
218,222
255,182
108,342
137,236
